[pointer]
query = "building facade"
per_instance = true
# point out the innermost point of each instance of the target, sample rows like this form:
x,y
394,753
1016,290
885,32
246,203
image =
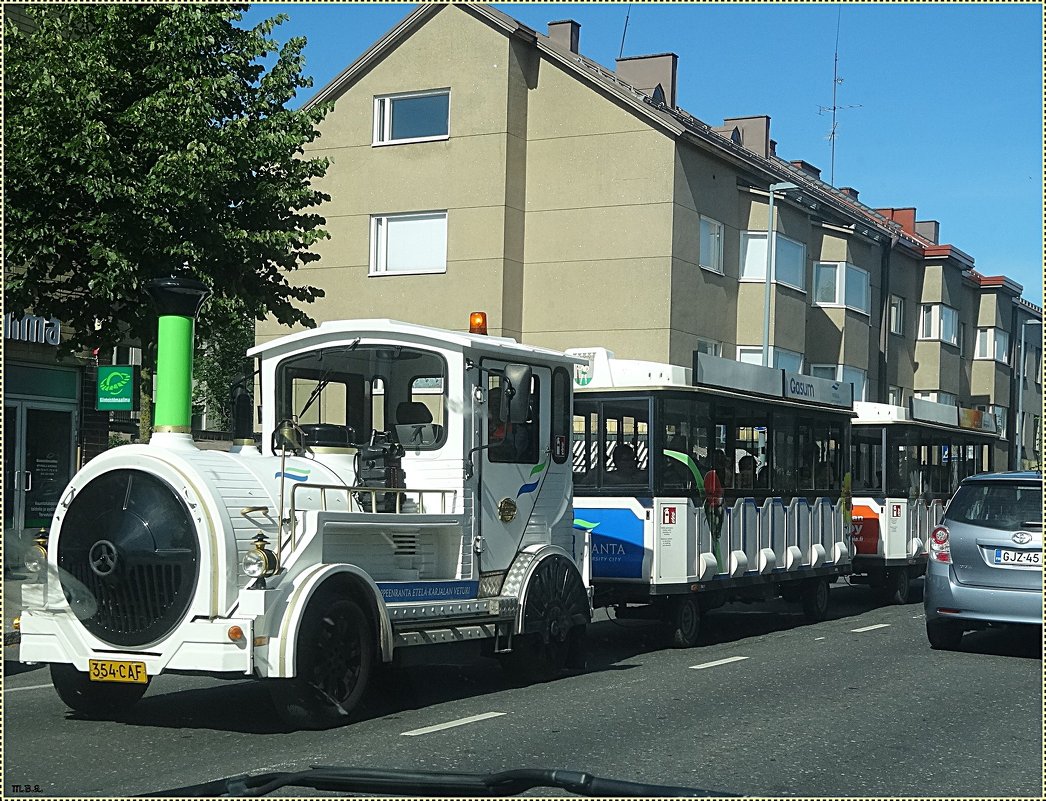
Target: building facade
x,y
479,164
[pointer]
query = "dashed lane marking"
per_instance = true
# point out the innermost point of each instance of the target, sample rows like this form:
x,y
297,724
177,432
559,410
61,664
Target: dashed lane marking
x,y
726,661
451,724
34,687
870,628
818,638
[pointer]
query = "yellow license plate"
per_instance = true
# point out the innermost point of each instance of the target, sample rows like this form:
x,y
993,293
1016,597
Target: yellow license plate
x,y
112,670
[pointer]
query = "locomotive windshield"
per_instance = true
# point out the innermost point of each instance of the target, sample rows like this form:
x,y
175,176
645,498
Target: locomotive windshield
x,y
341,394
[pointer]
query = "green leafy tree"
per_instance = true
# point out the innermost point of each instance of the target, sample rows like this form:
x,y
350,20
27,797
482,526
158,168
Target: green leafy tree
x,y
219,363
143,141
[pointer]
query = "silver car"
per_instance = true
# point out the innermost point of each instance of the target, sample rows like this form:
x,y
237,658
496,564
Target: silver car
x,y
985,565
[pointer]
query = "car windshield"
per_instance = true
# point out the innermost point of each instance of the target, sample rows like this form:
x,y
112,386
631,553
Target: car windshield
x,y
1007,506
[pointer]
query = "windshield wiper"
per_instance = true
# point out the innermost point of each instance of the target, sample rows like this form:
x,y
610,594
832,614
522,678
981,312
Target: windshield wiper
x,y
422,783
325,377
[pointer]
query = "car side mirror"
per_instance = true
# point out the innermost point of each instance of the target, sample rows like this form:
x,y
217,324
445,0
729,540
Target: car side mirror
x,y
515,399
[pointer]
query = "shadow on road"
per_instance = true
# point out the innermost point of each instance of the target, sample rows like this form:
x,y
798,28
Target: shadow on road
x,y
1015,641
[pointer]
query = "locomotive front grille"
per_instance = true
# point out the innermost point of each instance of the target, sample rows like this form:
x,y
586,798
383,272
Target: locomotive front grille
x,y
129,545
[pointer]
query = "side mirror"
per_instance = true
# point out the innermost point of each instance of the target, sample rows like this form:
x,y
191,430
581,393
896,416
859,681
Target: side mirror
x,y
515,399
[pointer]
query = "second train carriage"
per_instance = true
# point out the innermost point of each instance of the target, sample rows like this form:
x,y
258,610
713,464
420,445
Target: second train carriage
x,y
723,482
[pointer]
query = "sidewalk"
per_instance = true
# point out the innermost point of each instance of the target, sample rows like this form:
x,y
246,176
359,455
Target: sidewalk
x,y
12,589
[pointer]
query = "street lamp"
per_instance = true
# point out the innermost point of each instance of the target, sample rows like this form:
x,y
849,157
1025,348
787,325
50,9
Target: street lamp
x,y
1018,449
771,253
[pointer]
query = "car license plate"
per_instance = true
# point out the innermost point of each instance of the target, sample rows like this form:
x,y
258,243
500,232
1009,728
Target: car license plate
x,y
112,670
1011,556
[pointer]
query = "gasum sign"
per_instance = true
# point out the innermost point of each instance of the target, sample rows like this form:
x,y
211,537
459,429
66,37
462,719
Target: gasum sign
x,y
118,388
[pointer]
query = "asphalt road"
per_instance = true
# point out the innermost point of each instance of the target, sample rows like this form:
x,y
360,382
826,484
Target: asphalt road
x,y
769,705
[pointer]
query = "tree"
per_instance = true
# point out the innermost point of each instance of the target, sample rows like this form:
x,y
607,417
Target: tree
x,y
149,140
220,362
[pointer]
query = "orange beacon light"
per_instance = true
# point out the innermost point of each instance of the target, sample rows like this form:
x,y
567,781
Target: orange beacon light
x,y
478,323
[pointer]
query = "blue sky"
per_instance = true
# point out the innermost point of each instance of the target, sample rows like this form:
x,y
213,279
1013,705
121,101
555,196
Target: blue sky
x,y
941,105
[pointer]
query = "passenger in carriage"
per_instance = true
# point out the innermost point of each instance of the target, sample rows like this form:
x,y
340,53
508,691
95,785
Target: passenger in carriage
x,y
723,468
626,469
746,472
677,474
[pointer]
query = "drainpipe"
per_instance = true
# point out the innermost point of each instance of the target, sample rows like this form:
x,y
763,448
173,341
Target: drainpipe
x,y
178,302
884,318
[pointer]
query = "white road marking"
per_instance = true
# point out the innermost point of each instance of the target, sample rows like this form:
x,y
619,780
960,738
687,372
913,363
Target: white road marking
x,y
818,638
34,687
869,628
451,724
726,661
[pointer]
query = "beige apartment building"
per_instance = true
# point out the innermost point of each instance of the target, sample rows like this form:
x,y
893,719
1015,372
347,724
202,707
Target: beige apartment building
x,y
477,164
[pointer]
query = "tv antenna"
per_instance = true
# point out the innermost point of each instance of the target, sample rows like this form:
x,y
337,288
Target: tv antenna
x,y
628,10
835,107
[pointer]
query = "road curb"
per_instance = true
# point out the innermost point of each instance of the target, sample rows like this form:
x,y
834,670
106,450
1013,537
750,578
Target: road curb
x,y
12,638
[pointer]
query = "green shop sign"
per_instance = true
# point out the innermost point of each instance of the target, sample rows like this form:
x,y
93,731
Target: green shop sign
x,y
118,387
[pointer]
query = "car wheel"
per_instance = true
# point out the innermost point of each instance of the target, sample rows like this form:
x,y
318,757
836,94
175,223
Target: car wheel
x,y
686,622
944,635
334,665
814,596
94,698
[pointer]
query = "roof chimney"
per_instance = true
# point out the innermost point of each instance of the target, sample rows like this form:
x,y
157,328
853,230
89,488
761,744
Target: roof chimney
x,y
905,217
646,73
806,167
773,148
849,191
566,33
929,229
755,133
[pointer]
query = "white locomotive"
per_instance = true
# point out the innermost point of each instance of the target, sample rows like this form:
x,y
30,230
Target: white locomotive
x,y
412,487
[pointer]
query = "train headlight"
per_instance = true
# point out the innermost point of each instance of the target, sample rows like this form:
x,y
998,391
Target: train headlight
x,y
36,559
261,561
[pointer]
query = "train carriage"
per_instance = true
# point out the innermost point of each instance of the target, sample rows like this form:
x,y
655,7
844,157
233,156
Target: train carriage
x,y
699,486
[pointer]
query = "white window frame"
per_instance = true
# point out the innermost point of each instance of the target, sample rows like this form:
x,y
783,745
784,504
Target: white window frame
x,y
838,372
894,395
1000,413
713,263
931,325
993,344
714,348
382,127
897,320
379,229
938,396
774,354
843,278
758,273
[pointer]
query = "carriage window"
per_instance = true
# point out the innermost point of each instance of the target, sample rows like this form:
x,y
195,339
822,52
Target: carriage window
x,y
684,436
626,453
750,430
784,461
867,460
516,443
585,444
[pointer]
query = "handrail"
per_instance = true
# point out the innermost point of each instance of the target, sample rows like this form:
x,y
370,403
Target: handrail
x,y
373,492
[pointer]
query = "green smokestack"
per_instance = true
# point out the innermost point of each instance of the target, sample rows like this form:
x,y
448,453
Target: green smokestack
x,y
178,301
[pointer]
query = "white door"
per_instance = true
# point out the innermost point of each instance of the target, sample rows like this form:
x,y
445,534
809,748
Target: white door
x,y
512,467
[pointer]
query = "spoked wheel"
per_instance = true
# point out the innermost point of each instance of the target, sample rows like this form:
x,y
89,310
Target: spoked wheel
x,y
335,660
555,614
685,621
815,599
94,698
